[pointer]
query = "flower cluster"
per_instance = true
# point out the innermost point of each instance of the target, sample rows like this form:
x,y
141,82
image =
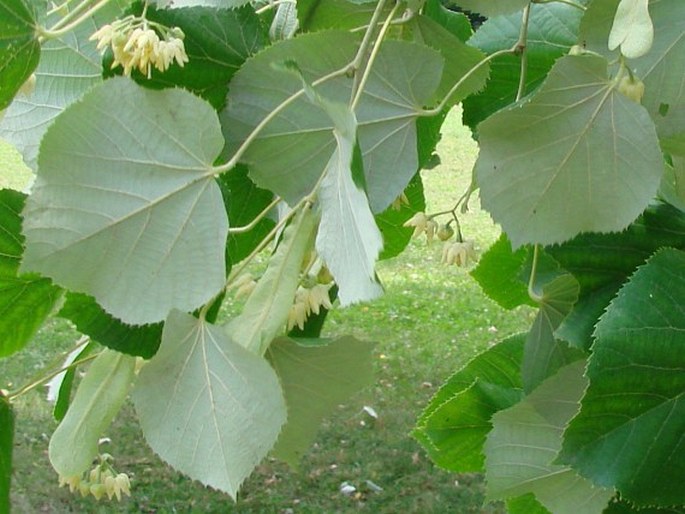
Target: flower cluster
x,y
100,481
243,285
136,45
308,300
460,253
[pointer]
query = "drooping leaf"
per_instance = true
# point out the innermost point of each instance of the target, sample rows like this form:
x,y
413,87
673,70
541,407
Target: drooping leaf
x,y
491,7
577,157
6,446
99,397
525,440
125,207
628,433
244,201
90,319
390,222
662,69
526,504
217,42
69,66
498,274
348,239
19,47
208,406
316,376
552,30
300,137
543,354
266,310
453,426
26,300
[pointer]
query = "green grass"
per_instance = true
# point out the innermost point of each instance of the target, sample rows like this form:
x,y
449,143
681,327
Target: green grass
x,y
430,322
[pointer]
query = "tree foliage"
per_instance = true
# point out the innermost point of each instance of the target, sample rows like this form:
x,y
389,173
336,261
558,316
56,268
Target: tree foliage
x,y
173,142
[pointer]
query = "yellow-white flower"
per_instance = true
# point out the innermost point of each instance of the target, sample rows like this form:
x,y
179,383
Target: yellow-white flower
x,y
419,222
459,253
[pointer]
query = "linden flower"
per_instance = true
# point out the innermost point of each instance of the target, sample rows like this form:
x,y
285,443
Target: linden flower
x,y
419,222
308,300
244,285
137,46
459,253
431,229
100,481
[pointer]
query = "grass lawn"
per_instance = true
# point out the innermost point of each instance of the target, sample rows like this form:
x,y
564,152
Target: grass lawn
x,y
431,321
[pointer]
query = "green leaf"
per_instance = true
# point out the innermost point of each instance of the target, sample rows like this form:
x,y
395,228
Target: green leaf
x,y
543,354
266,311
69,66
90,319
348,239
207,406
300,137
525,440
64,382
498,274
217,42
628,433
244,201
453,426
603,262
125,207
25,300
316,375
597,158
526,504
456,23
460,58
390,222
315,15
662,69
99,397
492,7
552,30
672,187
19,48
6,446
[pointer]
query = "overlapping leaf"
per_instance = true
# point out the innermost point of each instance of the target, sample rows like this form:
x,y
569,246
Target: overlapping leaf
x,y
315,15
543,353
453,427
525,440
19,47
68,67
125,207
348,239
629,432
100,395
27,299
216,4
90,319
208,406
300,137
577,157
266,311
316,375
